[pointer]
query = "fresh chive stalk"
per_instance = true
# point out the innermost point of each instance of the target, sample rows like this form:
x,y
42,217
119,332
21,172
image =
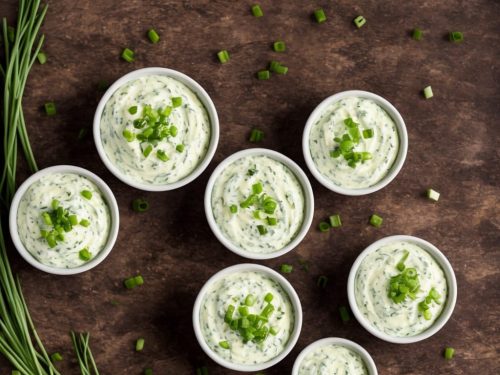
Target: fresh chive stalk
x,y
84,354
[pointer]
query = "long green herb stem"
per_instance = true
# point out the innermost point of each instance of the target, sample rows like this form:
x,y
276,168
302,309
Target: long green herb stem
x,y
84,354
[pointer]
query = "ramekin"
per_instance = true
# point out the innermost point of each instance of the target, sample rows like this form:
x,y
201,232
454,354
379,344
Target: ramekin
x,y
301,177
451,282
192,85
348,344
402,133
287,287
108,197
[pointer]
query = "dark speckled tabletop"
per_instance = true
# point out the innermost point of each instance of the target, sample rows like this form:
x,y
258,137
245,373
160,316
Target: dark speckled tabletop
x,y
453,147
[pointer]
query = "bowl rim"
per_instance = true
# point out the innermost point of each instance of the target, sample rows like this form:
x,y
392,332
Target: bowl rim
x,y
202,95
287,287
308,199
351,345
109,198
400,158
443,262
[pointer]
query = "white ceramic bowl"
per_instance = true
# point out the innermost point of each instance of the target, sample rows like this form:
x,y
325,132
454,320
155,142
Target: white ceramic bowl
x,y
367,359
308,199
287,287
191,84
438,257
400,158
108,197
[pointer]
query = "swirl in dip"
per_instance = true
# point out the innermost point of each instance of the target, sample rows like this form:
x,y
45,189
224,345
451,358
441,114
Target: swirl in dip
x,y
233,289
371,288
190,118
382,146
332,359
234,185
66,188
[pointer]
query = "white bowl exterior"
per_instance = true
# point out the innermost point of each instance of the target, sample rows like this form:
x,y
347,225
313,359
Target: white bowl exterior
x,y
365,356
113,210
450,280
402,133
287,287
308,197
191,84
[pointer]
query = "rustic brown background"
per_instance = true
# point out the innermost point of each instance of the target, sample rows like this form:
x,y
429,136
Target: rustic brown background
x,y
453,147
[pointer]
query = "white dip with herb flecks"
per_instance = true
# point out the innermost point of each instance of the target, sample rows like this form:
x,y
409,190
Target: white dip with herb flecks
x,y
191,120
332,359
383,146
65,188
372,288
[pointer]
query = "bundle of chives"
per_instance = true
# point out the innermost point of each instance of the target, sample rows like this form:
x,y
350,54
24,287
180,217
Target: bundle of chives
x,y
83,353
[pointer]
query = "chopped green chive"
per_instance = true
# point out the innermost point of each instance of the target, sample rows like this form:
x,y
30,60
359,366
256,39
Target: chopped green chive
x,y
223,56
268,297
140,205
376,221
257,11
433,195
272,221
449,353
324,226
322,281
257,188
263,74
153,36
279,46
428,92
344,314
133,282
277,67
224,344
85,254
73,219
41,57
139,345
335,221
286,268
456,36
256,135
148,371
417,34
132,110
160,154
262,229
128,55
84,223
176,101
50,108
179,148
56,357
359,21
319,15
250,300
228,317
86,194
368,133
233,208
147,150
128,135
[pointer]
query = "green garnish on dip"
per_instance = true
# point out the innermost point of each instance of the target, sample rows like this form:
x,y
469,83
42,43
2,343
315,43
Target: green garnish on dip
x,y
263,206
405,284
424,307
349,141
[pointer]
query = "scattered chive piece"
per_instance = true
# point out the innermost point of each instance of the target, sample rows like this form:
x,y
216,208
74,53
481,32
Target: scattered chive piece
x,y
148,371
176,101
140,205
456,36
56,357
41,57
268,297
250,300
256,135
286,268
84,223
324,226
85,254
263,74
277,67
202,370
128,55
138,280
223,56
322,281
153,36
73,219
179,148
320,15
262,229
82,133
279,46
417,34
376,221
433,195
134,281
128,135
428,92
139,344
132,110
257,11
273,331
368,133
147,150
272,221
50,108
335,221
86,194
359,21
344,314
233,208
224,344
257,188
160,154
449,353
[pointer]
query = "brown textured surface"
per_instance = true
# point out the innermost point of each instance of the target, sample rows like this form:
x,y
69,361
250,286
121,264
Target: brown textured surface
x,y
453,148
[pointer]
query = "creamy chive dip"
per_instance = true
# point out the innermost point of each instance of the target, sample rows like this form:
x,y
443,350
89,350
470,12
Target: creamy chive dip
x,y
66,188
191,120
233,289
234,185
372,285
332,359
383,146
